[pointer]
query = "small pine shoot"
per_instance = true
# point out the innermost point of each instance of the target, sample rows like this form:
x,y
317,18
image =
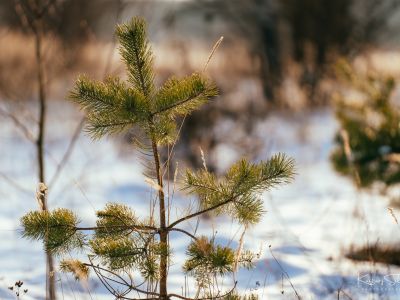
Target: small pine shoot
x,y
121,242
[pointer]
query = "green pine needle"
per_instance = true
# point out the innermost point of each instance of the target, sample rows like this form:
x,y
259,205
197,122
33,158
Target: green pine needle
x,y
121,253
238,192
180,97
205,258
114,106
111,106
137,54
57,229
115,220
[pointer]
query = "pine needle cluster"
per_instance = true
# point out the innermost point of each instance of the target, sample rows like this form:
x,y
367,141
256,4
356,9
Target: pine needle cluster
x,y
207,260
120,243
56,228
237,193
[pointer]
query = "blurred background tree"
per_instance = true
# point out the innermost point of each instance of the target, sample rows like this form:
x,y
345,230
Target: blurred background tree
x,y
368,143
289,39
279,53
70,20
309,32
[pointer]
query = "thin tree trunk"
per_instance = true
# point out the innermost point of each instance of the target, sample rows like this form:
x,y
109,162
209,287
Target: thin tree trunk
x,y
42,106
50,278
163,228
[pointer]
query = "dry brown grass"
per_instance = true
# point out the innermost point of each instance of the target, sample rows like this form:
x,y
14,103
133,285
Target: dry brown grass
x,y
17,64
232,66
377,254
62,62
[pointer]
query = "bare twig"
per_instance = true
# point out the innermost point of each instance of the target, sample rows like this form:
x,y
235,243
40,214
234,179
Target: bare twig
x,y
16,184
202,211
183,231
205,298
284,273
18,123
134,227
67,153
103,279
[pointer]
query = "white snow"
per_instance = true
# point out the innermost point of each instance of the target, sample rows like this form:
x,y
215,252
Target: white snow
x,y
309,224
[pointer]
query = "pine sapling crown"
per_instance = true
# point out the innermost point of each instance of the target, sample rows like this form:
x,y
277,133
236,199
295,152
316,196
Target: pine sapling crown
x,y
122,242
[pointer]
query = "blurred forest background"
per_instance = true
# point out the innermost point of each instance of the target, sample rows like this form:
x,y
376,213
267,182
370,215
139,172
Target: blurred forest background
x,y
285,70
275,55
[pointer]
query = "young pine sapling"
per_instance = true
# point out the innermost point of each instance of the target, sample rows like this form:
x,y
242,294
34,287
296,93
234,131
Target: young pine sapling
x,y
121,243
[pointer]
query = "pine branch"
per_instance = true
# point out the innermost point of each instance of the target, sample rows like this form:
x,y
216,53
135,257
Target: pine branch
x,y
56,229
98,97
136,52
212,208
180,97
111,106
114,220
121,253
241,186
120,227
99,127
206,258
183,231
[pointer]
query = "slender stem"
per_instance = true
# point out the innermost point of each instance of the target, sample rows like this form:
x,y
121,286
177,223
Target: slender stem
x,y
135,227
183,231
67,153
50,271
202,211
163,229
42,105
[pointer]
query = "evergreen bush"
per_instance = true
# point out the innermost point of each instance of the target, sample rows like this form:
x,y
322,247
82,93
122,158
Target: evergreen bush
x,y
368,142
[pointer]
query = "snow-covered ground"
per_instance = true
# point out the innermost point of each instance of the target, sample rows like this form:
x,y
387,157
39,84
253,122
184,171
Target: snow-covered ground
x,y
309,224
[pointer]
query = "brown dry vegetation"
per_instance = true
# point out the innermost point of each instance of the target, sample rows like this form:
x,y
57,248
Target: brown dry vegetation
x,y
377,254
233,66
62,63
